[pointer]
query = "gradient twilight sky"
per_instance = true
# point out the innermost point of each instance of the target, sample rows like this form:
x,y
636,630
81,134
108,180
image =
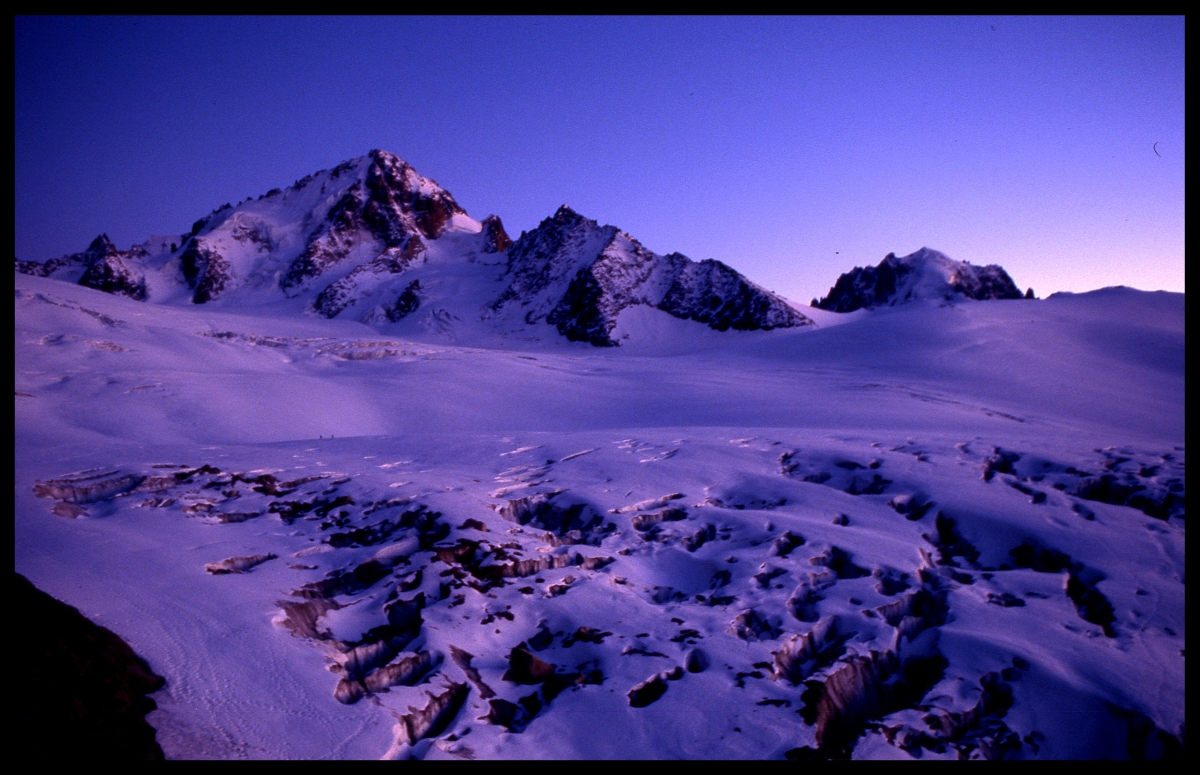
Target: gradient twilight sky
x,y
790,148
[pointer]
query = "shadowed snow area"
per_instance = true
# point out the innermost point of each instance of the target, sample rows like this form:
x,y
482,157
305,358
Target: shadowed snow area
x,y
930,530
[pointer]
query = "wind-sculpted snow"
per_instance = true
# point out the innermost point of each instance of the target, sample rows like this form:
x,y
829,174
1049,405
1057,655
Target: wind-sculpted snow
x,y
926,274
858,639
764,549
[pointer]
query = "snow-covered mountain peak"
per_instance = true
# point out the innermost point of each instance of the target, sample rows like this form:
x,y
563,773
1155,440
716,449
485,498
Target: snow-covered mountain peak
x,y
579,276
328,240
566,214
924,274
345,242
102,245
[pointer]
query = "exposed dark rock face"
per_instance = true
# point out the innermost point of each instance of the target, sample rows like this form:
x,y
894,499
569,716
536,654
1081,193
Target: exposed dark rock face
x,y
924,274
101,266
251,230
390,205
205,270
495,238
711,293
543,258
397,190
588,311
83,691
579,276
406,303
114,271
45,268
342,293
341,231
386,210
371,219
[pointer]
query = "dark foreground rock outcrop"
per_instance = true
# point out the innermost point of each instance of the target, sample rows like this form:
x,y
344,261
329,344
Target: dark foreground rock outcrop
x,y
81,695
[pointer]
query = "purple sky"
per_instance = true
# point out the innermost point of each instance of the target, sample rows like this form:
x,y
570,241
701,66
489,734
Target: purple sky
x,y
791,148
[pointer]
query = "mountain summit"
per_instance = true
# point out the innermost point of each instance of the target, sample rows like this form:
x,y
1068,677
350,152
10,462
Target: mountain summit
x,y
925,274
579,276
349,241
368,217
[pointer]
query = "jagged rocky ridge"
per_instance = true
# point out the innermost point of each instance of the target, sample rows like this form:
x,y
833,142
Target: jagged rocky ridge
x,y
579,276
344,239
335,237
101,266
925,274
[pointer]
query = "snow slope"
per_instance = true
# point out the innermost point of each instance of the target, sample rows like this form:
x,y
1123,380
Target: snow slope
x,y
694,545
